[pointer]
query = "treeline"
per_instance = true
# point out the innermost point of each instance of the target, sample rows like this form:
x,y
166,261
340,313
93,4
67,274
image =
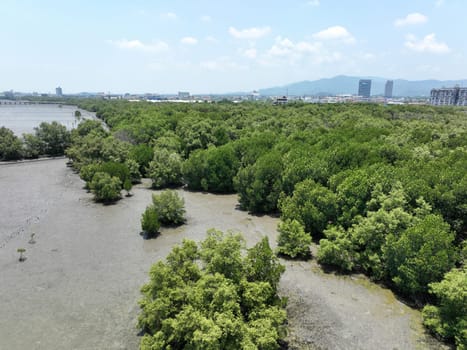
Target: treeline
x,y
383,189
48,139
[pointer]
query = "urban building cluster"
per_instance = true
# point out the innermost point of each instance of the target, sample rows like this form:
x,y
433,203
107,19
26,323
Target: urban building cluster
x,y
364,88
455,96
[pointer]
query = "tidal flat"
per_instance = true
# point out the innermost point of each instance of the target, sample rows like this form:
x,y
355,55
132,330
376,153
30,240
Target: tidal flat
x,y
79,285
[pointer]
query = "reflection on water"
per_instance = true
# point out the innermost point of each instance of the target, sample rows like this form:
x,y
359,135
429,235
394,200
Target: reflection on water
x,y
24,118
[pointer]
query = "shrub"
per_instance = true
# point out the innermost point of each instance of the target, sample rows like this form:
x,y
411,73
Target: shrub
x,y
311,204
150,221
292,240
449,319
10,145
165,169
118,170
105,188
170,207
421,255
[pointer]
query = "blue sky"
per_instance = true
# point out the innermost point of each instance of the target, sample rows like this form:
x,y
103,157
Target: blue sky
x,y
206,46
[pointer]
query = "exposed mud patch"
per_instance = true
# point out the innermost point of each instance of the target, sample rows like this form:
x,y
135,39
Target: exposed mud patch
x,y
79,287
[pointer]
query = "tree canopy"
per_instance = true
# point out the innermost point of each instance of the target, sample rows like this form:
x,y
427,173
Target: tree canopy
x,y
211,296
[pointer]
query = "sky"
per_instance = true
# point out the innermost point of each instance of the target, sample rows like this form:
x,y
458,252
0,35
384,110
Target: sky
x,y
205,46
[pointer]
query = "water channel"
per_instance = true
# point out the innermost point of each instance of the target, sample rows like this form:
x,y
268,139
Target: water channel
x,y
24,118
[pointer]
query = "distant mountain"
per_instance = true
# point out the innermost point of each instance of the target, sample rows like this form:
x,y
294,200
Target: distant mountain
x,y
349,85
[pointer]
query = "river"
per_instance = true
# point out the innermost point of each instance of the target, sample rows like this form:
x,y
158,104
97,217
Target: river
x,y
24,118
79,286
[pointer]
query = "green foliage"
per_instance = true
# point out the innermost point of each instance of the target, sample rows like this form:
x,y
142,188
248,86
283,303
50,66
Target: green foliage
x,y
186,306
10,145
142,154
362,175
292,240
150,221
115,150
165,169
449,318
133,168
337,249
387,214
260,185
86,126
87,173
262,265
54,137
212,169
33,146
114,169
105,188
127,185
170,207
311,204
421,255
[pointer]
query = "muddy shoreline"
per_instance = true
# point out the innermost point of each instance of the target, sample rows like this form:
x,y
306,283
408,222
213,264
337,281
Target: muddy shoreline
x,y
79,287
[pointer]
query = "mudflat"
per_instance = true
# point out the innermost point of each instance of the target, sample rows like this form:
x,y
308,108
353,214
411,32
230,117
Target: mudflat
x,y
79,286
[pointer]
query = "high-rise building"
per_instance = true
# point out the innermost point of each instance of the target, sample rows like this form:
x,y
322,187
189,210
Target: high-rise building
x,y
364,88
183,95
58,91
388,89
455,96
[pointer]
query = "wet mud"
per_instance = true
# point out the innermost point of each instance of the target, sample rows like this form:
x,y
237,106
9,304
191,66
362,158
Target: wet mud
x,y
79,286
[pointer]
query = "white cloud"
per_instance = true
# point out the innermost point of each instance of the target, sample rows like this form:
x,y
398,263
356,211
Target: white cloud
x,y
250,53
158,46
427,44
335,33
411,19
249,33
189,40
169,15
286,51
206,18
313,2
439,3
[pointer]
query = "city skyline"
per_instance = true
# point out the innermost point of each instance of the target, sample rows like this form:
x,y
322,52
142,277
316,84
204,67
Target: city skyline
x,y
210,47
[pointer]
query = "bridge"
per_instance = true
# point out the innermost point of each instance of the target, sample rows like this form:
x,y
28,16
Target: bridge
x,y
21,102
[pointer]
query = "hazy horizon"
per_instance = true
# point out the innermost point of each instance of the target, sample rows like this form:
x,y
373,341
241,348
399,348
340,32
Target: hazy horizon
x,y
212,47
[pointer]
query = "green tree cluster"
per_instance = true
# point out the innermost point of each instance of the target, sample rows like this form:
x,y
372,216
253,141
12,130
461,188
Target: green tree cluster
x,y
375,182
105,188
449,318
293,241
213,297
167,208
50,139
11,147
412,248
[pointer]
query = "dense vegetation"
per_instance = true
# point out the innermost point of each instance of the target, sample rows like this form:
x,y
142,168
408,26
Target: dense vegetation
x,y
383,189
49,139
213,297
167,208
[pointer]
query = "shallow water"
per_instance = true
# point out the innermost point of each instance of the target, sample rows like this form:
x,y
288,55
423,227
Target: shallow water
x,y
78,288
24,118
